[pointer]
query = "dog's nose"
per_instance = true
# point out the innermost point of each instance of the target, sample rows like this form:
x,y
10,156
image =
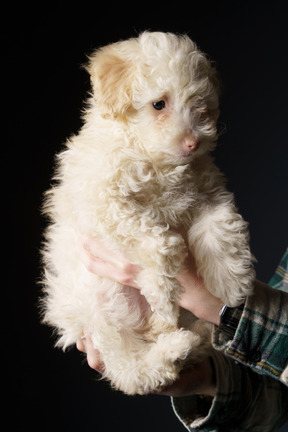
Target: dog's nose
x,y
191,143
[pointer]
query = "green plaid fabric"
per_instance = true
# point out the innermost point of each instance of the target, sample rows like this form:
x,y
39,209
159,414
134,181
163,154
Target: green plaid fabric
x,y
280,278
261,337
250,366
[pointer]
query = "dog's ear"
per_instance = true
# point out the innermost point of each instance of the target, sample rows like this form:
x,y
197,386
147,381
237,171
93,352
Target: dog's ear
x,y
112,78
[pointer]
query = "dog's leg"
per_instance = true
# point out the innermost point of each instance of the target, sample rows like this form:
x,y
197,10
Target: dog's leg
x,y
219,242
167,356
138,367
161,261
161,293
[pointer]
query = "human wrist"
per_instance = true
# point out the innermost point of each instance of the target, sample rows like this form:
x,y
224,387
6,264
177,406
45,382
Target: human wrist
x,y
209,309
197,299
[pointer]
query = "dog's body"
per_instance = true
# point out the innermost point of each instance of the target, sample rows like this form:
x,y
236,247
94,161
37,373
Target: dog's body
x,y
138,173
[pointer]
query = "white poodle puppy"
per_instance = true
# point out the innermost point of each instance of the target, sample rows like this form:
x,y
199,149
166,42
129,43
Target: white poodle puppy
x,y
140,170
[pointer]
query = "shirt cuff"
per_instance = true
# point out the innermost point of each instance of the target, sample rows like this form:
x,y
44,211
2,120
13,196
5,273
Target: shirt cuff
x,y
260,340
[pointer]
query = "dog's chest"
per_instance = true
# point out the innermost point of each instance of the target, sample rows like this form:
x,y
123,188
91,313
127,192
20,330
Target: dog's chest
x,y
165,195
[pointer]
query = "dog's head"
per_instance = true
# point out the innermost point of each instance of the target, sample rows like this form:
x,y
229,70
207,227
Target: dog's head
x,y
163,88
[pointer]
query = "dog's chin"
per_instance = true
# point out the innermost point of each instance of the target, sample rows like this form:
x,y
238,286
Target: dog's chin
x,y
174,159
182,159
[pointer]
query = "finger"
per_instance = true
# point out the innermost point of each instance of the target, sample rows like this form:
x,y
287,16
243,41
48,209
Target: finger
x,y
93,356
98,250
93,263
81,346
114,266
109,271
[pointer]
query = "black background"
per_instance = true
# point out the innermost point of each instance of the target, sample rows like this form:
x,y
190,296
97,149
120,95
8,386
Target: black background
x,y
42,94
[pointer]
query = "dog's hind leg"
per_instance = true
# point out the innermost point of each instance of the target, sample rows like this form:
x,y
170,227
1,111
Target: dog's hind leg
x,y
152,365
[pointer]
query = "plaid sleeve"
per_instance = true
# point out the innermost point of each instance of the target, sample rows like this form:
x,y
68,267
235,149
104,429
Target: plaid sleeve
x,y
244,401
261,338
280,278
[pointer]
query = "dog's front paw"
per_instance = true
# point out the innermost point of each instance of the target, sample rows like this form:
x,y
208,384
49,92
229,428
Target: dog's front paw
x,y
169,312
176,347
161,293
219,243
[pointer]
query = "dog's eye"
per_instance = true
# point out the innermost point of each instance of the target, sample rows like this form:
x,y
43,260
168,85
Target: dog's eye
x,y
159,105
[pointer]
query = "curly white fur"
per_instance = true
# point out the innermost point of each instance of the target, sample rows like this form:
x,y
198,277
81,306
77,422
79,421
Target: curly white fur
x,y
137,172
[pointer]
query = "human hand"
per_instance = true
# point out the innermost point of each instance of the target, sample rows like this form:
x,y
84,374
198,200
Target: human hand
x,y
116,266
85,345
106,263
198,379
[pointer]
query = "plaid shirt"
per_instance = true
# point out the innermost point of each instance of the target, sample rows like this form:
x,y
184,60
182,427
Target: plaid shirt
x,y
253,339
